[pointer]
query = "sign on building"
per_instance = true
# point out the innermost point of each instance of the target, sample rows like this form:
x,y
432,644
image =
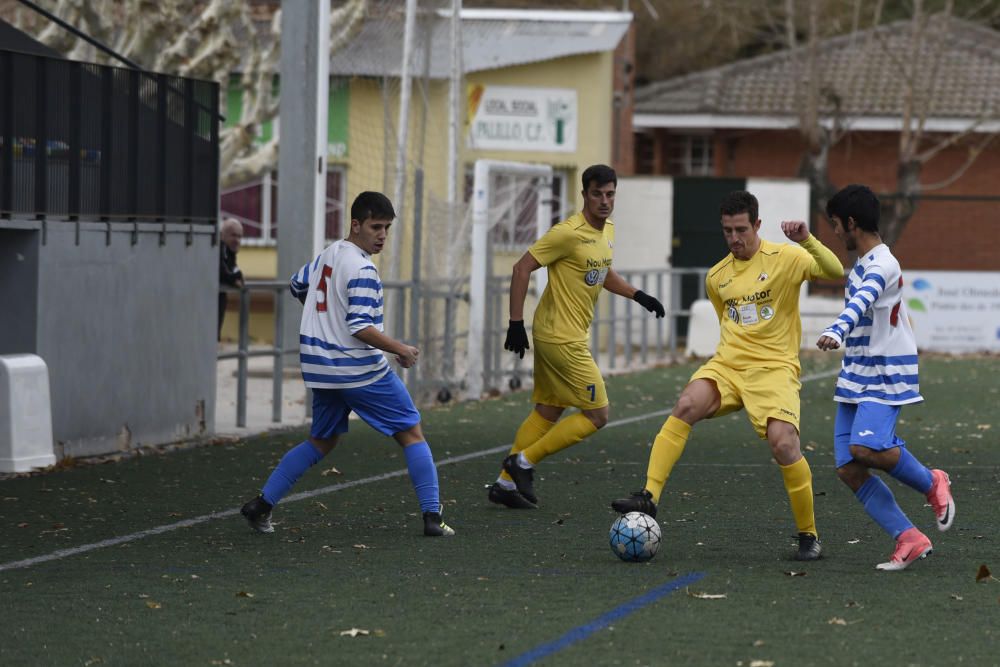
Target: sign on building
x,y
506,118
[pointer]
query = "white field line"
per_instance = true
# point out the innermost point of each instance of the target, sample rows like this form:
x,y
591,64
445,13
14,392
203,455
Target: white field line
x,y
304,495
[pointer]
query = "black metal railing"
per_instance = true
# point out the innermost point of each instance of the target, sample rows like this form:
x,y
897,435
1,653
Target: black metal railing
x,y
82,141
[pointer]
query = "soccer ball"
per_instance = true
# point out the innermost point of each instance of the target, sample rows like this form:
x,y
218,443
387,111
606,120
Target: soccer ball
x,y
635,537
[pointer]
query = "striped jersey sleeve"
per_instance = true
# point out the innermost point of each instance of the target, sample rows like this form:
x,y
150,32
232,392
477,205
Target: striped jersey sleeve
x,y
364,300
880,350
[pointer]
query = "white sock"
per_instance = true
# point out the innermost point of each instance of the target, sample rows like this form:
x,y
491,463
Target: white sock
x,y
523,462
506,484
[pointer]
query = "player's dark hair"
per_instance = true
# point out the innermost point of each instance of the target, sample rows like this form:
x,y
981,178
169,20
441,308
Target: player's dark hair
x,y
740,201
858,202
599,174
374,205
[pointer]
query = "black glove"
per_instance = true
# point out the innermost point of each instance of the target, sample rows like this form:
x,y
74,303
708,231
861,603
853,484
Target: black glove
x,y
650,303
517,338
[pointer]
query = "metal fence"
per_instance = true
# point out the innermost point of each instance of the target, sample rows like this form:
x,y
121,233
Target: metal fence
x,y
85,141
624,335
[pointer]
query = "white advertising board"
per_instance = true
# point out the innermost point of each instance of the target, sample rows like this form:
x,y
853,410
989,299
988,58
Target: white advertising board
x,y
507,118
954,311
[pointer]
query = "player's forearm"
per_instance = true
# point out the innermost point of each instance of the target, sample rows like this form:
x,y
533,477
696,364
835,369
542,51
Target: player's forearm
x,y
827,262
519,281
378,340
615,284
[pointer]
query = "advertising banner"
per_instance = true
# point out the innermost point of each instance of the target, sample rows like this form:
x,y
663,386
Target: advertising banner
x,y
954,311
506,118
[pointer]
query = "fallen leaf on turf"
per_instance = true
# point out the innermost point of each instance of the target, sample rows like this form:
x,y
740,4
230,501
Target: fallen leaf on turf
x,y
227,661
22,525
360,546
759,642
983,427
792,573
984,574
331,471
354,632
956,596
153,604
762,663
244,594
836,620
853,541
143,596
320,505
706,596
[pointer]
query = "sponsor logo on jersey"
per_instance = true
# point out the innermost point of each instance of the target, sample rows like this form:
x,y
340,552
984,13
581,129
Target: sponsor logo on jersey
x,y
588,241
762,277
766,312
595,276
733,314
865,432
750,298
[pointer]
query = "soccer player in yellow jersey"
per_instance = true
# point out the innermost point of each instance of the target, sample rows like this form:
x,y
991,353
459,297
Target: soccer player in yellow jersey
x,y
755,291
577,253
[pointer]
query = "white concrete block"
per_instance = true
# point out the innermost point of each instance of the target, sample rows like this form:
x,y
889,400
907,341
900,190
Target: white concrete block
x,y
703,330
25,414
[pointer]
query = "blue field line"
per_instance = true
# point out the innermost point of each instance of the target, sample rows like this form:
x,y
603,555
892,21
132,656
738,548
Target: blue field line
x,y
303,495
581,632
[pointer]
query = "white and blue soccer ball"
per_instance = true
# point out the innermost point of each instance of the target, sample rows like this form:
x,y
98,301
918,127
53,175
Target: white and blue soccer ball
x,y
635,537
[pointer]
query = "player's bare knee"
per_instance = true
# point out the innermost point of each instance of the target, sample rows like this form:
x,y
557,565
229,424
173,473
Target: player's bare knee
x,y
853,475
410,436
324,445
688,408
863,455
599,418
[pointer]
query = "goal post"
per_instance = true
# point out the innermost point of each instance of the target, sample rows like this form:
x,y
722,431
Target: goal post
x,y
482,196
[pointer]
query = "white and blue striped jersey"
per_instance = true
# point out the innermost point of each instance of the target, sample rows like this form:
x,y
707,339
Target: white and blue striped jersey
x,y
880,351
343,295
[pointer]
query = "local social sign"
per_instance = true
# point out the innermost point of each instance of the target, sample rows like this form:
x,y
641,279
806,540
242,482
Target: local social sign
x,y
507,118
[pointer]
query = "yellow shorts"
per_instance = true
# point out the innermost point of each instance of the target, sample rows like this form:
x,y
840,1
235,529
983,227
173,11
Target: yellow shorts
x,y
566,376
766,393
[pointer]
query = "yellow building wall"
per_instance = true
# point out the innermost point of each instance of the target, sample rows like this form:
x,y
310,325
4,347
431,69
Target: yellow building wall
x,y
370,163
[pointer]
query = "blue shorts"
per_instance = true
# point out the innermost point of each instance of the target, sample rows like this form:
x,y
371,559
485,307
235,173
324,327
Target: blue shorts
x,y
871,425
385,405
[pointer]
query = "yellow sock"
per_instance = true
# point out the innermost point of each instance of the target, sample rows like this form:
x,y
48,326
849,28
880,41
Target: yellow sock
x,y
530,432
798,483
667,449
566,433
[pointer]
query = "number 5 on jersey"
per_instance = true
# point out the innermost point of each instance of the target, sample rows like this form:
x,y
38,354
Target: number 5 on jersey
x,y
321,289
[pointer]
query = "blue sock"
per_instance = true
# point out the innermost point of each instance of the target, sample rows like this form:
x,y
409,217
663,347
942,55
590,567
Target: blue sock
x,y
423,476
882,507
293,464
912,472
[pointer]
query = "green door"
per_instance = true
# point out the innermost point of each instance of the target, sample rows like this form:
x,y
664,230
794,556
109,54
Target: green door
x,y
697,241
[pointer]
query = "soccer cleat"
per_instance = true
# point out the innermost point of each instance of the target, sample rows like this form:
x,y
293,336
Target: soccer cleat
x,y
940,499
258,515
639,501
809,547
911,545
523,478
509,497
434,526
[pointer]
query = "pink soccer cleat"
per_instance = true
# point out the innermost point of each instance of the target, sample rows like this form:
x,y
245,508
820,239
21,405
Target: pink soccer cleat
x,y
940,499
911,545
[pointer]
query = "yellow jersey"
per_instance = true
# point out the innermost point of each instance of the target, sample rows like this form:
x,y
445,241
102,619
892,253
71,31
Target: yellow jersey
x,y
578,258
757,301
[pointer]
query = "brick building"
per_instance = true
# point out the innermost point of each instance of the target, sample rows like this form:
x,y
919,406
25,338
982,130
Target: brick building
x,y
741,120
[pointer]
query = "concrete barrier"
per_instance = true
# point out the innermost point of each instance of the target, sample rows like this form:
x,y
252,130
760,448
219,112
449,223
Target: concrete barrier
x,y
25,414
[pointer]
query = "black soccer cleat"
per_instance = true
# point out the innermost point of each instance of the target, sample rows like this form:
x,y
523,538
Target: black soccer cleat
x,y
809,547
639,501
523,478
509,497
258,514
434,526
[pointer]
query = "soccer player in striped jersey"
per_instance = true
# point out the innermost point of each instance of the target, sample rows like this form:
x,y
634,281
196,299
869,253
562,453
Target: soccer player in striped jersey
x,y
577,252
341,351
877,377
755,291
